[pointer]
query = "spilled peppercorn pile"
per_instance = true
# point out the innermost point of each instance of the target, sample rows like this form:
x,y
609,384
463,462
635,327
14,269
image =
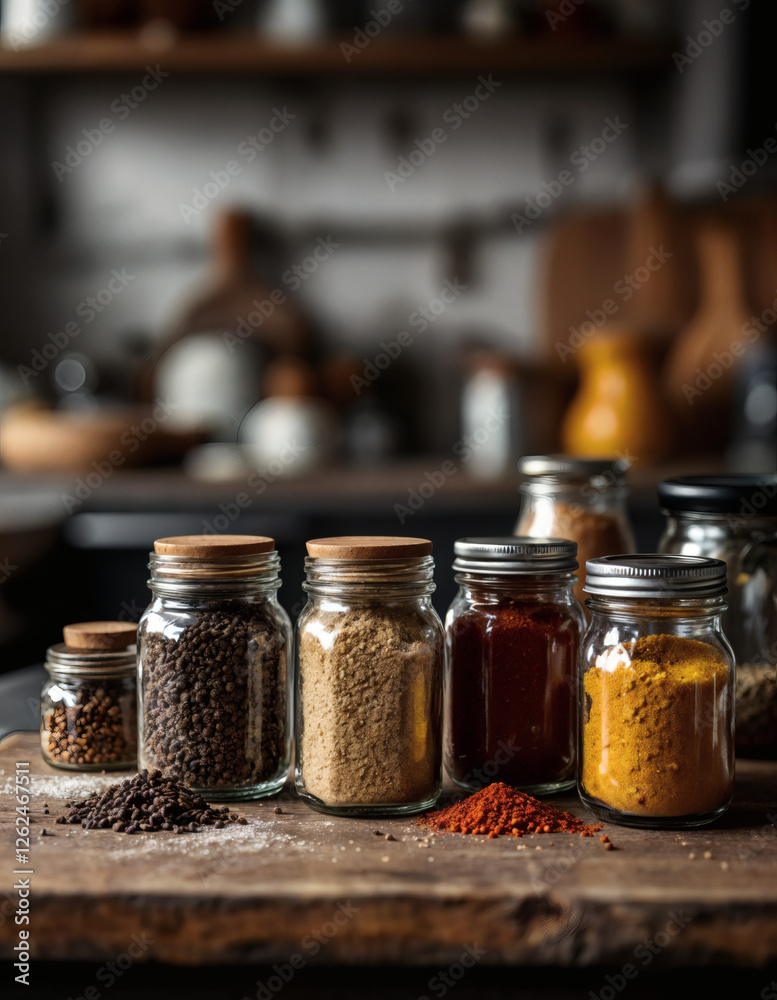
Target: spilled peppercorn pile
x,y
147,803
499,809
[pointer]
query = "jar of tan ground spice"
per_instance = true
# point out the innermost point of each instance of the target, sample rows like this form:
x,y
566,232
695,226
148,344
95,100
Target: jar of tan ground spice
x,y
89,702
582,499
213,655
369,678
656,692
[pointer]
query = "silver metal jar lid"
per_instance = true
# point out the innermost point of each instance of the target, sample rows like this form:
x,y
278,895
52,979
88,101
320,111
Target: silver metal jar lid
x,y
511,556
658,576
569,467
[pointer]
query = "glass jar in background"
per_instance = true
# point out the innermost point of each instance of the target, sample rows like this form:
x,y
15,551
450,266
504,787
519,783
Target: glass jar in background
x,y
512,636
582,499
656,692
214,649
734,518
89,702
369,678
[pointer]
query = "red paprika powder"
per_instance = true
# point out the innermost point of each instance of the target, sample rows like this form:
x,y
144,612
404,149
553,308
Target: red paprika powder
x,y
499,809
512,637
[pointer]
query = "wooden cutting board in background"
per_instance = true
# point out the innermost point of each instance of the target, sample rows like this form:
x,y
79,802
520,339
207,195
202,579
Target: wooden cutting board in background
x,y
595,255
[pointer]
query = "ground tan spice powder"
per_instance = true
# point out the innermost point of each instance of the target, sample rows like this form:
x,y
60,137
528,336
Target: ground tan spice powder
x,y
653,738
371,706
597,533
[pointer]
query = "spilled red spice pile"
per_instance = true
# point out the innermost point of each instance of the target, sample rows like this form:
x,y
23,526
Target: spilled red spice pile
x,y
499,809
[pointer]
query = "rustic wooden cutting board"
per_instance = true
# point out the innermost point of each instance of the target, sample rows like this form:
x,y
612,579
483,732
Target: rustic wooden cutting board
x,y
329,889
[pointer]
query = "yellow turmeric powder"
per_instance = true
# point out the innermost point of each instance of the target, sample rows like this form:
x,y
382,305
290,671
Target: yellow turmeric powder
x,y
654,742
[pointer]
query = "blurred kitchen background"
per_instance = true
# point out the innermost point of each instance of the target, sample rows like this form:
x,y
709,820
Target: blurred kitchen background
x,y
305,267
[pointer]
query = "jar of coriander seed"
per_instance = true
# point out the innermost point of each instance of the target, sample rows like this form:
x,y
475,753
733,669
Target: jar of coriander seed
x,y
214,650
369,678
89,702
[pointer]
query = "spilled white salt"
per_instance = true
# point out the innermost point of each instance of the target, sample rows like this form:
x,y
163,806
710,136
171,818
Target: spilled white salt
x,y
63,788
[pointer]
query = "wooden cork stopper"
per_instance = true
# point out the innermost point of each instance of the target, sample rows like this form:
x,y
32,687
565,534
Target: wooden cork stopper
x,y
104,636
209,546
368,547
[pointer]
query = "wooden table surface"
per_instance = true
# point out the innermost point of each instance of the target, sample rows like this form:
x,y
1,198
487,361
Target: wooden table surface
x,y
327,889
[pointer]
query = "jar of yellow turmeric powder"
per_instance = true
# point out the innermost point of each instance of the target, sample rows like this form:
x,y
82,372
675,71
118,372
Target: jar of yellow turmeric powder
x,y
656,692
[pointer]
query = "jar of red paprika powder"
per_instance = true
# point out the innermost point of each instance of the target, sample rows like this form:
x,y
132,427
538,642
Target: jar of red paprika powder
x,y
512,638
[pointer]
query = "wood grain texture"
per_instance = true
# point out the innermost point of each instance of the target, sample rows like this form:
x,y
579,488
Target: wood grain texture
x,y
399,56
268,891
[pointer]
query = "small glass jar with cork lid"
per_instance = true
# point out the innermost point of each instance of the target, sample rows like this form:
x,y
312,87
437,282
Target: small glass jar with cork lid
x,y
214,650
656,692
89,702
369,678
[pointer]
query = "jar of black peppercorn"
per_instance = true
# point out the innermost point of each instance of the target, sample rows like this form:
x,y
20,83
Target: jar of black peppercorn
x,y
89,702
512,636
214,649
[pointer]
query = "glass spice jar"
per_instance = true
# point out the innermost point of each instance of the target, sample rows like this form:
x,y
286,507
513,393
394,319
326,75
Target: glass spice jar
x,y
89,702
734,518
369,678
656,692
214,649
512,636
583,499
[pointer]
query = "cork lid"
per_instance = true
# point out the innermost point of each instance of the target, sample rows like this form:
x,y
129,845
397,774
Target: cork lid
x,y
105,636
210,546
368,547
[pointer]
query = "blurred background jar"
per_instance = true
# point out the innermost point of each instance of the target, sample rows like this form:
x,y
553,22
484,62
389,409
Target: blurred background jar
x,y
581,499
734,518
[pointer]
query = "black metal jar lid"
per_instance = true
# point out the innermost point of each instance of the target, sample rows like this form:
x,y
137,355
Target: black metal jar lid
x,y
655,576
511,555
744,495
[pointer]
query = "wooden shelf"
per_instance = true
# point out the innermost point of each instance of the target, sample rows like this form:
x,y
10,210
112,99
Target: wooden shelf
x,y
393,57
